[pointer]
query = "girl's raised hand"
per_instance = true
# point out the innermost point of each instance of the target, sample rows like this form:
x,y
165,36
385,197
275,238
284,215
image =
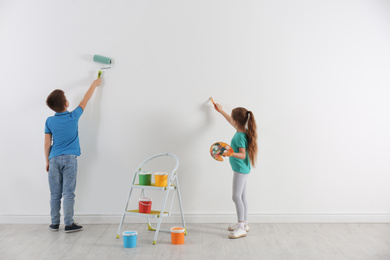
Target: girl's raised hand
x,y
218,107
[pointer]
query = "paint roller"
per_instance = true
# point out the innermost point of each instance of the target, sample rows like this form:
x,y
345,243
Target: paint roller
x,y
103,60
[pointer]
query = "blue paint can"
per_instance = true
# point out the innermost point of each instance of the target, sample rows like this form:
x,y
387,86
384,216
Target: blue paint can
x,y
130,239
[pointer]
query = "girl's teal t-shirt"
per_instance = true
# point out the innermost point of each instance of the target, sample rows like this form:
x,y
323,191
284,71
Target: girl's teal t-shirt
x,y
239,165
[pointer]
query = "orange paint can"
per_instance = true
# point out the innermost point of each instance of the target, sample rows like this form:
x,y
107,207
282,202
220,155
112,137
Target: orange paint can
x,y
161,179
177,235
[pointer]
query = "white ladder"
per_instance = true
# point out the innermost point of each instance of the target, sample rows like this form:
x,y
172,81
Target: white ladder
x,y
172,185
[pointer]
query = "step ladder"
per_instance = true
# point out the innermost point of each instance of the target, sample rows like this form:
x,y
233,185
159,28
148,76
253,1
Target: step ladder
x,y
172,185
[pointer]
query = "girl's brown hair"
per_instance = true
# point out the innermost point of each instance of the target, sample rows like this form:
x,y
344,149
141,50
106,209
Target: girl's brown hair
x,y
242,116
56,100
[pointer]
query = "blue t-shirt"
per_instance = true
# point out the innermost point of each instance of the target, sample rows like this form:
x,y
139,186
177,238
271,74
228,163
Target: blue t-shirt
x,y
64,129
239,165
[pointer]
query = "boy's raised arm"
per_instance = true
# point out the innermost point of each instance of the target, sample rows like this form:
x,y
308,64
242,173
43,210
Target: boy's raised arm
x,y
89,92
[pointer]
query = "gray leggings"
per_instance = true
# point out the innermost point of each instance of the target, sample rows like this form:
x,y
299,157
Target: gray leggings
x,y
239,195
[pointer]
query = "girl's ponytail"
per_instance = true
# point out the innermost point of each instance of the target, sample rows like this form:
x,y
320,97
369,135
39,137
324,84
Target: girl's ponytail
x,y
244,116
252,138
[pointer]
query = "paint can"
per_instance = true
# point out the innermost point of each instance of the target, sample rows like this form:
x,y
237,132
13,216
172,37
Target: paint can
x,y
145,178
145,205
130,239
177,235
161,179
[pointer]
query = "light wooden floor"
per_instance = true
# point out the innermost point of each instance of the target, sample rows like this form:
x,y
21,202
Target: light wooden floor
x,y
204,241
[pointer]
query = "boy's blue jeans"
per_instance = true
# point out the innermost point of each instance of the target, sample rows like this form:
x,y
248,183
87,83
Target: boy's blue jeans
x,y
62,183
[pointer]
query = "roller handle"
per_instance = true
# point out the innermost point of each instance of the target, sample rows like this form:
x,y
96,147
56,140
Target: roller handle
x,y
99,73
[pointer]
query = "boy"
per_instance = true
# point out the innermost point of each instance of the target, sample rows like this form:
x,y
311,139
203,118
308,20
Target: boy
x,y
61,157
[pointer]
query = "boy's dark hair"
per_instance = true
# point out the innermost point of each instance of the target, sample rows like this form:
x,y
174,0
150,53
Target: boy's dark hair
x,y
56,100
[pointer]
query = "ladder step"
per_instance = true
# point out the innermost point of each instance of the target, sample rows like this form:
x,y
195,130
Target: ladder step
x,y
152,214
152,187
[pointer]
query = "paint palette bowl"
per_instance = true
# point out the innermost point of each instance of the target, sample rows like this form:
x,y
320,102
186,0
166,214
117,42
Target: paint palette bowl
x,y
219,148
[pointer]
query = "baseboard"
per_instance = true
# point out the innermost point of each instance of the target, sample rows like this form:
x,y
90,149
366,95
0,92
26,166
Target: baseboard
x,y
208,218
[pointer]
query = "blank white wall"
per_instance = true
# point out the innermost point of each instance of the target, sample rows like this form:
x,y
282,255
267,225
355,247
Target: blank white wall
x,y
315,74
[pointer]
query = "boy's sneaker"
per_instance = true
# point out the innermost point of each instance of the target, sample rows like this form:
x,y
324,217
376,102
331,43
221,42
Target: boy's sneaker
x,y
235,227
73,228
238,233
55,227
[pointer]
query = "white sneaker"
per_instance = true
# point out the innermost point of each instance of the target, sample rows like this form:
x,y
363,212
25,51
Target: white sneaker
x,y
238,233
235,227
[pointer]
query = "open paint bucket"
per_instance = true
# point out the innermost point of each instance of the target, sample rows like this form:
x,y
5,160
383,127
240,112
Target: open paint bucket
x,y
145,205
145,178
130,239
177,235
161,179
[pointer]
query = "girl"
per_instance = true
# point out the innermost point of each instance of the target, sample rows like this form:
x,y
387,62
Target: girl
x,y
244,145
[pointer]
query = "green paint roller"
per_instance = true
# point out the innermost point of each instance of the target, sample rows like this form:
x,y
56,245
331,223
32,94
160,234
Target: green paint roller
x,y
104,60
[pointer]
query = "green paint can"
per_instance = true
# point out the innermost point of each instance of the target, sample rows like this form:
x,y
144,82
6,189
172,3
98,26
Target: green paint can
x,y
145,178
